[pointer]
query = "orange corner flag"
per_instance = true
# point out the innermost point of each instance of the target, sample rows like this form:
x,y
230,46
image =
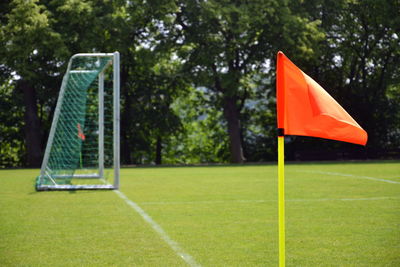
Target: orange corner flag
x,y
305,108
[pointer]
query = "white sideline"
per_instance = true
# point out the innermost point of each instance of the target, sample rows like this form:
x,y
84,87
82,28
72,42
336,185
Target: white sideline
x,y
173,244
264,201
353,176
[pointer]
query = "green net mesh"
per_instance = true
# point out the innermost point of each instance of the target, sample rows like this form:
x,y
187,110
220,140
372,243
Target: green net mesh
x,y
75,145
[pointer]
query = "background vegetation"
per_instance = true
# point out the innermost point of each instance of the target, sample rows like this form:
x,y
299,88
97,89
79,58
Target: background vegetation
x,y
197,76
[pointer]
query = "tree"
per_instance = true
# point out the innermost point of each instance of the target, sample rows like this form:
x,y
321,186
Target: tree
x,y
224,44
148,118
12,150
357,64
192,68
38,38
202,138
28,43
149,81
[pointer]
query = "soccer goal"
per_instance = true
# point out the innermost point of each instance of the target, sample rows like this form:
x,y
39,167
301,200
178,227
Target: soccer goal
x,y
82,150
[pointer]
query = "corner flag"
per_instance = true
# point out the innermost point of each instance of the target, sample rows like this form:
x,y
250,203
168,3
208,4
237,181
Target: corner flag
x,y
305,108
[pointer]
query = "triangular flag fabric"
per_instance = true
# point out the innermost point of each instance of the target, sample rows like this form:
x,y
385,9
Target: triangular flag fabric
x,y
305,108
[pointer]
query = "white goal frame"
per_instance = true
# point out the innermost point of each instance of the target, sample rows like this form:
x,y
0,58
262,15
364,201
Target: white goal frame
x,y
115,61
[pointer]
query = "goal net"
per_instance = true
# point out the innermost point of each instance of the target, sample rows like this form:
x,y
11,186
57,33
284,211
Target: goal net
x,y
82,150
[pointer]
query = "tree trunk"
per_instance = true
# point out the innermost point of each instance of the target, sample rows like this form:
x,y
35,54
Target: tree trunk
x,y
125,125
32,128
231,114
158,151
125,119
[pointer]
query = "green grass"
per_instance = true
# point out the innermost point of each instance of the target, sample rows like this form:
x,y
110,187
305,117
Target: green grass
x,y
221,216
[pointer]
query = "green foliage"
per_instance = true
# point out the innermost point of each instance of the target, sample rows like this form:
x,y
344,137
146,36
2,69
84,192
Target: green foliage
x,y
39,37
149,118
28,40
225,44
225,41
357,63
203,136
259,121
11,144
227,47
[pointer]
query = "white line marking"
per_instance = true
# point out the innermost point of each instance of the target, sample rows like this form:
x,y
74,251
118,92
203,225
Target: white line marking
x,y
353,176
263,201
204,202
341,199
173,244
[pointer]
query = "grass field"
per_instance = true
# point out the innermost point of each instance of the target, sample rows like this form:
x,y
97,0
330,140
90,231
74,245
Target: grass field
x,y
337,214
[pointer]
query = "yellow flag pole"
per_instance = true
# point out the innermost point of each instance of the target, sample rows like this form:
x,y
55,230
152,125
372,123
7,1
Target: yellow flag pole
x,y
281,199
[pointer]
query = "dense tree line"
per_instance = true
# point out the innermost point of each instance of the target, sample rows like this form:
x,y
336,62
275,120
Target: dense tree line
x,y
198,77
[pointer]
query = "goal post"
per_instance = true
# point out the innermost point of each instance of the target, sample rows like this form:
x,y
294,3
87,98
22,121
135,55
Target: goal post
x,y
83,147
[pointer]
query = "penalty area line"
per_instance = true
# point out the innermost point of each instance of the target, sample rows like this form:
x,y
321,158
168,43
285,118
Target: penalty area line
x,y
156,227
